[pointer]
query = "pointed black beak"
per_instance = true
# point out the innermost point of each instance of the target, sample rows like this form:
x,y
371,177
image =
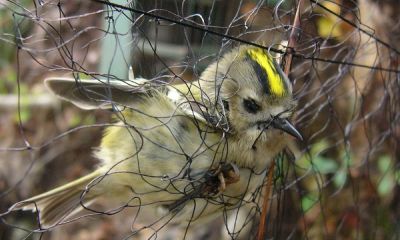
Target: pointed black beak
x,y
286,126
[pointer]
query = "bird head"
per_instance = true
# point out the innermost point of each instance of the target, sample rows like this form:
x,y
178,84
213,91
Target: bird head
x,y
246,92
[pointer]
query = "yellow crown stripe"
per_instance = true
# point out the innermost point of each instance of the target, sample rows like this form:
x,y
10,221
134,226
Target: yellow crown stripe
x,y
276,84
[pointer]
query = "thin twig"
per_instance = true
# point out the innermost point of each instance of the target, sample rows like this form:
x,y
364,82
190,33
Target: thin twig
x,y
265,208
294,34
288,63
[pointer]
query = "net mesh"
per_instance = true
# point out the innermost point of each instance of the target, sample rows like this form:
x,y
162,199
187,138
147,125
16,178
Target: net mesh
x,y
342,181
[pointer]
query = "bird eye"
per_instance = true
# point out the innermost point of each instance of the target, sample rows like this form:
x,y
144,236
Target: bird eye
x,y
251,106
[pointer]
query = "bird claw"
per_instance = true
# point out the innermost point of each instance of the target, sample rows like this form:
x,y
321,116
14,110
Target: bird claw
x,y
225,174
222,183
231,173
214,185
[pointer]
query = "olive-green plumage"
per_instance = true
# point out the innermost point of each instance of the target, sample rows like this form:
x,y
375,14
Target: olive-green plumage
x,y
167,139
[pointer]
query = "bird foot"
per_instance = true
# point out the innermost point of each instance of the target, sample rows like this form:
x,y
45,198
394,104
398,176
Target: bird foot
x,y
214,185
225,174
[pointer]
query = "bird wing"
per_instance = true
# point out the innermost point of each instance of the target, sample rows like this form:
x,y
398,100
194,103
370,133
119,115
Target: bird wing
x,y
89,94
96,93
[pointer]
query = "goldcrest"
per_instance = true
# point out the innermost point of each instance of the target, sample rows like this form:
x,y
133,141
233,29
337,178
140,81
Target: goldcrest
x,y
182,152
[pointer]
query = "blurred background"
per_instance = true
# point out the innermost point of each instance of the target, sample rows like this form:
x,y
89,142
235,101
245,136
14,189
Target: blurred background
x,y
341,182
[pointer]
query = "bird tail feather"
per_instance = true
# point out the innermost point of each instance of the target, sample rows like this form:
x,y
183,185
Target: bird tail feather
x,y
56,205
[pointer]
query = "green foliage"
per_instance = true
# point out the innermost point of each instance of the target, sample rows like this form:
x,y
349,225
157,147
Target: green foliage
x,y
308,201
340,178
388,176
315,160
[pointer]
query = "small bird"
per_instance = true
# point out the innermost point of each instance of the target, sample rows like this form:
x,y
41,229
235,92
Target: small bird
x,y
185,152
